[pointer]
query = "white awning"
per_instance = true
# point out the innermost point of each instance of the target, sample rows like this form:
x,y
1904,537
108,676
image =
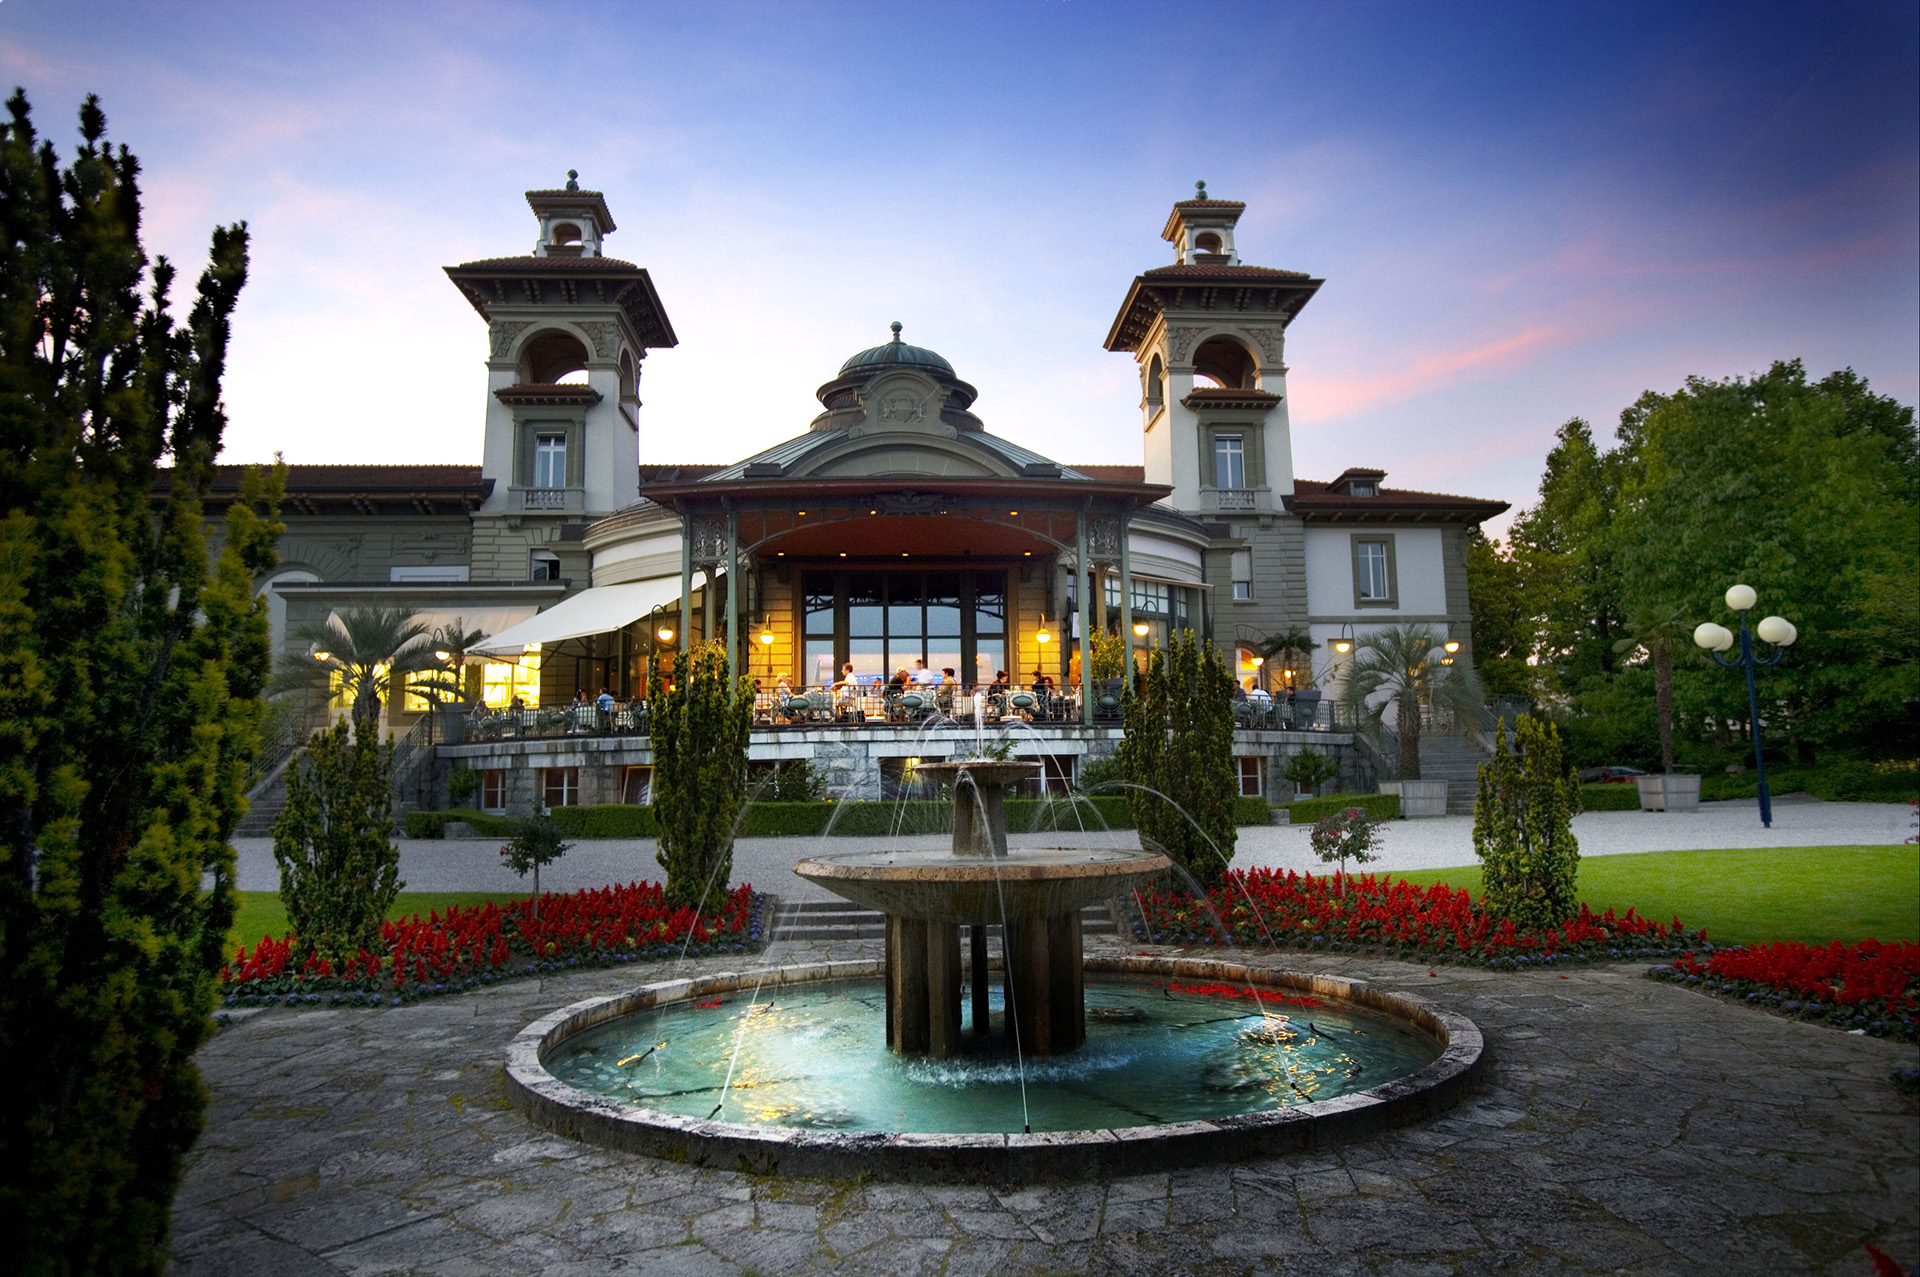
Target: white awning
x,y
596,611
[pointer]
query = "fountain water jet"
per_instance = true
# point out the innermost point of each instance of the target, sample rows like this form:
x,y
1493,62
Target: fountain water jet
x,y
1035,896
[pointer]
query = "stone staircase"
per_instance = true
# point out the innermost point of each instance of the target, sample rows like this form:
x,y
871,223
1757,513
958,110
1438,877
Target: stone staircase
x,y
1455,759
264,802
839,920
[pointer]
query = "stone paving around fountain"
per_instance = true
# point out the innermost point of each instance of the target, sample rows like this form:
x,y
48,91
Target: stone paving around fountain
x,y
1625,1127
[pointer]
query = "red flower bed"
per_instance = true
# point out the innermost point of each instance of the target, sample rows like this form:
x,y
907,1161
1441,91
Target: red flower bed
x,y
1267,908
1870,986
467,945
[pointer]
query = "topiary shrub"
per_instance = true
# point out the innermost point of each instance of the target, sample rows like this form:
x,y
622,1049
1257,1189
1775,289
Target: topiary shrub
x,y
535,843
700,731
1378,806
1179,742
462,784
1522,828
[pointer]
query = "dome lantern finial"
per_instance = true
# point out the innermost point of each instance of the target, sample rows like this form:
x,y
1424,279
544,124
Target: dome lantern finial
x,y
1199,190
895,325
573,179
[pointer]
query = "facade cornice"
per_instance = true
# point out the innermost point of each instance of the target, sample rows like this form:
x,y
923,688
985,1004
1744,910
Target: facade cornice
x,y
1226,294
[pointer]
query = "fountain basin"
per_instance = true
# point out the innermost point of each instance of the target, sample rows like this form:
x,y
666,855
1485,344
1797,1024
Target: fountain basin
x,y
937,884
977,1156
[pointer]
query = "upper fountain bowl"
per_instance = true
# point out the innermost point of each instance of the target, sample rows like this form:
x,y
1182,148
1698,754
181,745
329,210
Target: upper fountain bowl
x,y
1032,883
981,771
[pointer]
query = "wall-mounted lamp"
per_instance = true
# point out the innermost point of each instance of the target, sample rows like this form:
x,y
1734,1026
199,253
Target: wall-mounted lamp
x,y
1043,636
323,656
766,637
664,634
1140,628
1453,645
441,654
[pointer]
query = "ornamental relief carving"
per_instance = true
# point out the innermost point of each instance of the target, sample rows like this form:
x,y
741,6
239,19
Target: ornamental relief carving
x,y
603,337
1270,342
1180,343
1103,537
908,501
504,334
905,409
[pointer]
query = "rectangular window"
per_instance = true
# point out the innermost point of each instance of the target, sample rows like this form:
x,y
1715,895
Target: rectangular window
x,y
1243,574
1253,774
1373,571
544,564
560,786
1229,461
493,790
502,681
550,461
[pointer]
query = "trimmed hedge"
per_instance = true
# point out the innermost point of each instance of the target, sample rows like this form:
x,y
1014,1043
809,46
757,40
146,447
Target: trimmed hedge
x,y
1379,806
774,820
1610,797
1837,782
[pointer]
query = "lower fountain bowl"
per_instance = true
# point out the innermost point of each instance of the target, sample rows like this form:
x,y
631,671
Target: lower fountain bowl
x,y
991,1157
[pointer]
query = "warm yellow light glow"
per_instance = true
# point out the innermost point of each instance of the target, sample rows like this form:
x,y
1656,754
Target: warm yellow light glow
x,y
1446,660
803,514
1287,673
1043,637
843,554
1028,553
531,648
1342,646
1454,646
1014,513
1257,661
323,656
1140,628
441,654
766,637
665,634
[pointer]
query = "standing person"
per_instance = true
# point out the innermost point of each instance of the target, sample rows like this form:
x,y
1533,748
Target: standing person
x,y
922,676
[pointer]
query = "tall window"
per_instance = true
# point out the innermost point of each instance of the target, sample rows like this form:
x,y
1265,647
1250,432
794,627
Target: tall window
x,y
501,681
1229,461
880,621
550,461
1253,776
1370,571
493,790
1243,574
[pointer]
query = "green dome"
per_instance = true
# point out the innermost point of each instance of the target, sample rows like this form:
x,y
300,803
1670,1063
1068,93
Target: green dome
x,y
896,354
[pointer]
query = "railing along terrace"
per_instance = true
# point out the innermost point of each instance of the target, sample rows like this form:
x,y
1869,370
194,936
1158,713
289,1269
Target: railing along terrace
x,y
864,706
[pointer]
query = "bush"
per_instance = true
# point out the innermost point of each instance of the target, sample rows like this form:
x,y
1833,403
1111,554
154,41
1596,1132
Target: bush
x,y
1310,769
1311,810
1842,781
1609,798
609,820
1522,827
433,824
1252,811
798,781
699,733
462,784
339,869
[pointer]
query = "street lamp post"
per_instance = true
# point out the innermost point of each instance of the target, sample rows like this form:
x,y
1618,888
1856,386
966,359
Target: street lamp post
x,y
1776,631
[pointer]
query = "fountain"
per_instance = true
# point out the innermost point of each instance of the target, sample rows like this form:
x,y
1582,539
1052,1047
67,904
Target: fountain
x,y
838,1068
1034,896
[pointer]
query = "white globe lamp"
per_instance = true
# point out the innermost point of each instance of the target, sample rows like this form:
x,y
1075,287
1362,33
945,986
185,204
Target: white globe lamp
x,y
1777,630
1741,598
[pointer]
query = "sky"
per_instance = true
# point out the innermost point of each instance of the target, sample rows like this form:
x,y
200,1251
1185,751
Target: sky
x,y
1523,212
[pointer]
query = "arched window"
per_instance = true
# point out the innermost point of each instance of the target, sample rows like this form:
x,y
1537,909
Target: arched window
x,y
629,378
566,233
1226,363
1156,385
550,358
1206,242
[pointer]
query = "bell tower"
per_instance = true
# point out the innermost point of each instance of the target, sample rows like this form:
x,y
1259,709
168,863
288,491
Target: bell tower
x,y
1209,336
567,329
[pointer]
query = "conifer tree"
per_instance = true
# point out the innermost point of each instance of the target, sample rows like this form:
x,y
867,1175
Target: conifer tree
x,y
699,731
1523,830
130,674
1178,746
339,867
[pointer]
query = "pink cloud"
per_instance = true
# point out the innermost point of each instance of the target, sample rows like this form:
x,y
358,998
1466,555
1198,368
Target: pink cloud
x,y
1322,398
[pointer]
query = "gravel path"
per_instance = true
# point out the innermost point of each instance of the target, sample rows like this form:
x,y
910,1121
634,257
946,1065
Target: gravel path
x,y
1625,1127
1443,842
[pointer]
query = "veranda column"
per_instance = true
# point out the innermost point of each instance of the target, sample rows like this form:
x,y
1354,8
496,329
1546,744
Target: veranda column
x,y
1083,588
686,593
1126,601
733,592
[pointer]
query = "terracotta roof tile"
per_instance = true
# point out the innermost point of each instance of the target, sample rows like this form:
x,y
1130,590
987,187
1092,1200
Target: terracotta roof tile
x,y
1202,271
361,477
1318,493
1211,204
1115,474
547,263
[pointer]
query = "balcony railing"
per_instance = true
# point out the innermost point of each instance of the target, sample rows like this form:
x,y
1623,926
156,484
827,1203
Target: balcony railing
x,y
548,498
912,708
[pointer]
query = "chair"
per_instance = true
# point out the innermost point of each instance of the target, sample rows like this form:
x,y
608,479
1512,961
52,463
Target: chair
x,y
1024,704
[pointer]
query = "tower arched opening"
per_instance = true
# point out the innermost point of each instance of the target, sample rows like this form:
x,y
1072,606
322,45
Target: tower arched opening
x,y
1227,364
550,357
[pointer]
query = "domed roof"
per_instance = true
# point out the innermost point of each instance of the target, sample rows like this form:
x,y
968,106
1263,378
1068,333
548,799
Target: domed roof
x,y
896,354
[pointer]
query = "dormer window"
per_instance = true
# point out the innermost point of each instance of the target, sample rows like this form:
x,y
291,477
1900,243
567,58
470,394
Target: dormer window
x,y
1366,488
1358,482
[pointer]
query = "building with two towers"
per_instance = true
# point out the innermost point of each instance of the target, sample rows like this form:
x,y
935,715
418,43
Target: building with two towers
x,y
894,532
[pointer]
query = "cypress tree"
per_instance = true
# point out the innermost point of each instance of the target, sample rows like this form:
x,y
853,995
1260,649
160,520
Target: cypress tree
x,y
339,868
1178,746
130,674
699,732
1523,828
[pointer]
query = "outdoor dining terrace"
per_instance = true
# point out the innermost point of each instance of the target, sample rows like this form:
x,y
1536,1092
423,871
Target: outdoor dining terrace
x,y
911,708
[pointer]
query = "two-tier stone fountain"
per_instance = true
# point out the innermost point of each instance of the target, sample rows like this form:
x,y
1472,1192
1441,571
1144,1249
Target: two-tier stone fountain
x,y
1034,896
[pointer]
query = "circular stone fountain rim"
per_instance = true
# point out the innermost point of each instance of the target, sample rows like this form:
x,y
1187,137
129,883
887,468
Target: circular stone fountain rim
x,y
943,866
991,1158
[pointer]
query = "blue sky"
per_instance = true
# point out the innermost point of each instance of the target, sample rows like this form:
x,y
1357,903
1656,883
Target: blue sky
x,y
1523,212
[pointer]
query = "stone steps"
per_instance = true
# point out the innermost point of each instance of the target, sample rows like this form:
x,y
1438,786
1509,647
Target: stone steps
x,y
1456,761
839,920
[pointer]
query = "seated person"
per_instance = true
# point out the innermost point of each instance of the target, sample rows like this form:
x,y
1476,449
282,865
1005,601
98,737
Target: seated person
x,y
604,701
922,676
1260,698
899,681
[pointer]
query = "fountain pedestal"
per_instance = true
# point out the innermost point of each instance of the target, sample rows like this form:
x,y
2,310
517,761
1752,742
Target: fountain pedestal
x,y
1035,897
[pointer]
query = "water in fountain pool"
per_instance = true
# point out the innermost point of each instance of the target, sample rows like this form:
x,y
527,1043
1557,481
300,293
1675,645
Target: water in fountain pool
x,y
815,1057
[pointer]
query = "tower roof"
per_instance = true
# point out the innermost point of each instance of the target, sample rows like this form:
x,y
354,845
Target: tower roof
x,y
896,354
571,199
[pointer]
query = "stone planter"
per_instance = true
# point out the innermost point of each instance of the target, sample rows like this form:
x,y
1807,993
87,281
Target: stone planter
x,y
1388,787
1422,798
1668,793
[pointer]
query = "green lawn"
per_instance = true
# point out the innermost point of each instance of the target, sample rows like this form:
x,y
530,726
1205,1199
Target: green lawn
x,y
260,914
1812,894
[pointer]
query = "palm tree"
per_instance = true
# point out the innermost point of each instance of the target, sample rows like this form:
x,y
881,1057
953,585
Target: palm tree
x,y
1405,663
457,681
1290,647
1659,630
367,648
